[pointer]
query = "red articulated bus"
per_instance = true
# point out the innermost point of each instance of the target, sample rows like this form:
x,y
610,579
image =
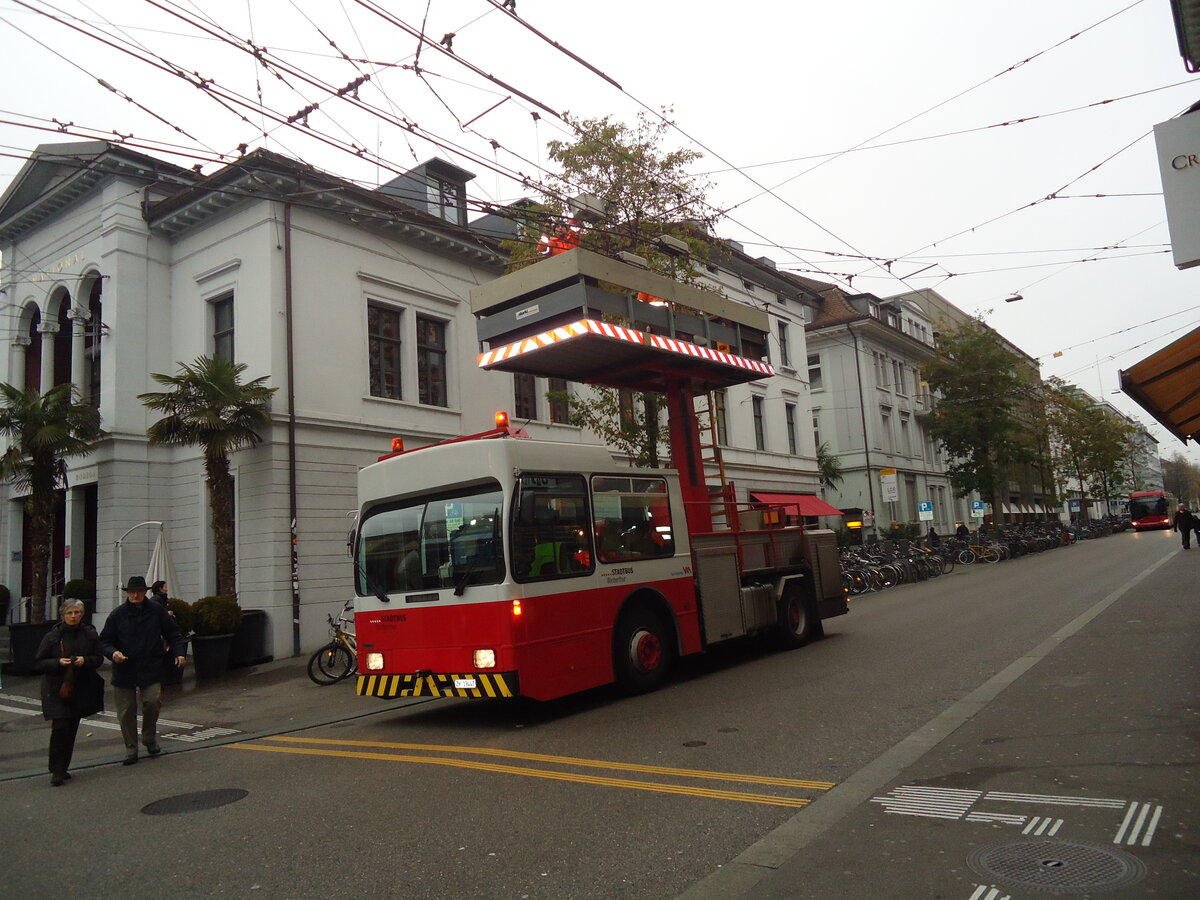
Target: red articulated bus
x,y
1149,509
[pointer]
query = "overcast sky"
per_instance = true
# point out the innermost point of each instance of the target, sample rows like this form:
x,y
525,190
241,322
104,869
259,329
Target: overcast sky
x,y
852,139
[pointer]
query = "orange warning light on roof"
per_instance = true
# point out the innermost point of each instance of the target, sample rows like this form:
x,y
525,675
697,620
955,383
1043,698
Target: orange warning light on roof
x,y
501,420
397,445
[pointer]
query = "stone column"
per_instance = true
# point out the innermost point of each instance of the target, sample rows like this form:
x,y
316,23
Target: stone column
x,y
74,532
16,359
79,319
48,330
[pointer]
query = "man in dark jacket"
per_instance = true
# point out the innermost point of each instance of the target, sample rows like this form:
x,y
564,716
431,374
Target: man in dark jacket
x,y
133,638
1184,523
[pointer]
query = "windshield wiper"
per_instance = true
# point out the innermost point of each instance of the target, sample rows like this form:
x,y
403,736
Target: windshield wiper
x,y
461,579
372,586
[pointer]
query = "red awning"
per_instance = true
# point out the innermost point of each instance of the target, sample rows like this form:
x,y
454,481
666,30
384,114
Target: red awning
x,y
806,504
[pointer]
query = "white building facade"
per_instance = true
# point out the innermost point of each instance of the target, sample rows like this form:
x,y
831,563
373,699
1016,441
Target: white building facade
x,y
352,301
864,363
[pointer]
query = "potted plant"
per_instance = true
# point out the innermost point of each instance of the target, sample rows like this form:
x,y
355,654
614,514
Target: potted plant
x,y
214,622
181,612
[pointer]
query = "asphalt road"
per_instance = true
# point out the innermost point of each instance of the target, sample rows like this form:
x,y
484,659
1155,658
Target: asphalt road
x,y
960,738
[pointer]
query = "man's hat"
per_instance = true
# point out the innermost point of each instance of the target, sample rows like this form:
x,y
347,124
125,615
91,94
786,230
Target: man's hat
x,y
136,583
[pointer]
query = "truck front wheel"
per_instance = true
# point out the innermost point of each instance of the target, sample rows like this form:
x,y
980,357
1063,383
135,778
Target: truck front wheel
x,y
643,651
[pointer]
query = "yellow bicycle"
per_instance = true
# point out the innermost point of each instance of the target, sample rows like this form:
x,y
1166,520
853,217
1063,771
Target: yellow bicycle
x,y
338,659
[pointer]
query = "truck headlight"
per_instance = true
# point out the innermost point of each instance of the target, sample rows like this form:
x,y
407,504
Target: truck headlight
x,y
484,659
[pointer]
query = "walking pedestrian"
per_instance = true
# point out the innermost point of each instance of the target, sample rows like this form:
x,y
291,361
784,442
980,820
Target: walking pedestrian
x,y
158,593
133,638
1184,522
72,688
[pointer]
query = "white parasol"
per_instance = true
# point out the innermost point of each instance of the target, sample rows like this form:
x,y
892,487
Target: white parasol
x,y
161,567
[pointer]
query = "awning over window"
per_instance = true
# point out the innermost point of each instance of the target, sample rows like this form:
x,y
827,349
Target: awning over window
x,y
1167,385
806,504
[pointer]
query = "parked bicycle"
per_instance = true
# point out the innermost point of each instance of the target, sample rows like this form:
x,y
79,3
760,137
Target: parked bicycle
x,y
338,659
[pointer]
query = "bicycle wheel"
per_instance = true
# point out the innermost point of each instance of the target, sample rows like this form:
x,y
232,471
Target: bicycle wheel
x,y
330,664
965,557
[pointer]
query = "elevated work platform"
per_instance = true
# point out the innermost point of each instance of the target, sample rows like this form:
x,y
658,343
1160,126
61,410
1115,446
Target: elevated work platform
x,y
577,316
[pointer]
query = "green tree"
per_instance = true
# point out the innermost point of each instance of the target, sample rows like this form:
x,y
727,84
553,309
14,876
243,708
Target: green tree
x,y
627,420
208,406
1092,445
828,467
979,418
1181,478
43,430
646,191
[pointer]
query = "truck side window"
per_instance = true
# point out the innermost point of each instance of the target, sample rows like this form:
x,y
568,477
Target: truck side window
x,y
632,518
551,533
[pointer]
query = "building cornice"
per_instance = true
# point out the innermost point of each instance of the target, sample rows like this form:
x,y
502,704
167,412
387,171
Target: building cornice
x,y
34,198
268,177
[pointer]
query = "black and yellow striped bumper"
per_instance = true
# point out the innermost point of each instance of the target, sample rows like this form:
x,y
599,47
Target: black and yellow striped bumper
x,y
472,684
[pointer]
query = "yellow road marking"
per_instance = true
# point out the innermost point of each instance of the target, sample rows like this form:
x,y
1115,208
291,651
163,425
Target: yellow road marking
x,y
570,761
707,793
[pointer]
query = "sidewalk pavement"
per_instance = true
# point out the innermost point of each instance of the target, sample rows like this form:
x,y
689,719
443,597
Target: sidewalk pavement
x,y
273,697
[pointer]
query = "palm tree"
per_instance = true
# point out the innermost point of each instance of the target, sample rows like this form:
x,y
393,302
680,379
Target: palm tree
x,y
207,406
43,431
830,470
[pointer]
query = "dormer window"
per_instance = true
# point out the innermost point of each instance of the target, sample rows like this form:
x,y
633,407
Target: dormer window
x,y
451,200
435,186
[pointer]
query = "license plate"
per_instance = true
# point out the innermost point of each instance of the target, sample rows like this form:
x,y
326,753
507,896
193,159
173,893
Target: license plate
x,y
464,682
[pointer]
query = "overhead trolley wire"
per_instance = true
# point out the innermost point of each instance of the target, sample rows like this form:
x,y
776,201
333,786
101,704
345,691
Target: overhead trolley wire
x,y
960,94
859,148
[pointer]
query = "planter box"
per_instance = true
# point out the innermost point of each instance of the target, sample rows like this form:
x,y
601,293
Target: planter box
x,y
250,640
210,654
24,638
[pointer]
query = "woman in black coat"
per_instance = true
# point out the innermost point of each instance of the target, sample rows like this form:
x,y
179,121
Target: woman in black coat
x,y
69,654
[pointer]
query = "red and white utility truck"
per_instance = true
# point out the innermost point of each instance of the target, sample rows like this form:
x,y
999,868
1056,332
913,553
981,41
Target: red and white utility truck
x,y
494,565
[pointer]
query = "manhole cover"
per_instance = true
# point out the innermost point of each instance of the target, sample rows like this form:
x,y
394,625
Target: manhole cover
x,y
186,803
1054,866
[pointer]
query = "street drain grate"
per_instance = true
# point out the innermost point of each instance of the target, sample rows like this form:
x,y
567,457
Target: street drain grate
x,y
200,800
1057,866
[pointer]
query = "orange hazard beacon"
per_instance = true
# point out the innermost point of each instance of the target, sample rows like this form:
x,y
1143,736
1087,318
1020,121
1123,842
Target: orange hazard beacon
x,y
494,565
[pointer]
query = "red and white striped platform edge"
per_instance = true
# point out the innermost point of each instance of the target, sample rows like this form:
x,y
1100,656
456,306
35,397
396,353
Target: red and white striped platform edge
x,y
591,326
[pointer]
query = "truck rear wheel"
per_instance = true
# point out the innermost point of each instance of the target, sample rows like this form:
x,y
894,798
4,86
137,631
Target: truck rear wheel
x,y
799,621
643,651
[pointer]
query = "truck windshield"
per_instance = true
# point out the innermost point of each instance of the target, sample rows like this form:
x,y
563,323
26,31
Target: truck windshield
x,y
446,540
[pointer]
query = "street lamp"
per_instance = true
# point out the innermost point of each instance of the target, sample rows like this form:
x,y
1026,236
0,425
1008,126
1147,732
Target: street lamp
x,y
1013,299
